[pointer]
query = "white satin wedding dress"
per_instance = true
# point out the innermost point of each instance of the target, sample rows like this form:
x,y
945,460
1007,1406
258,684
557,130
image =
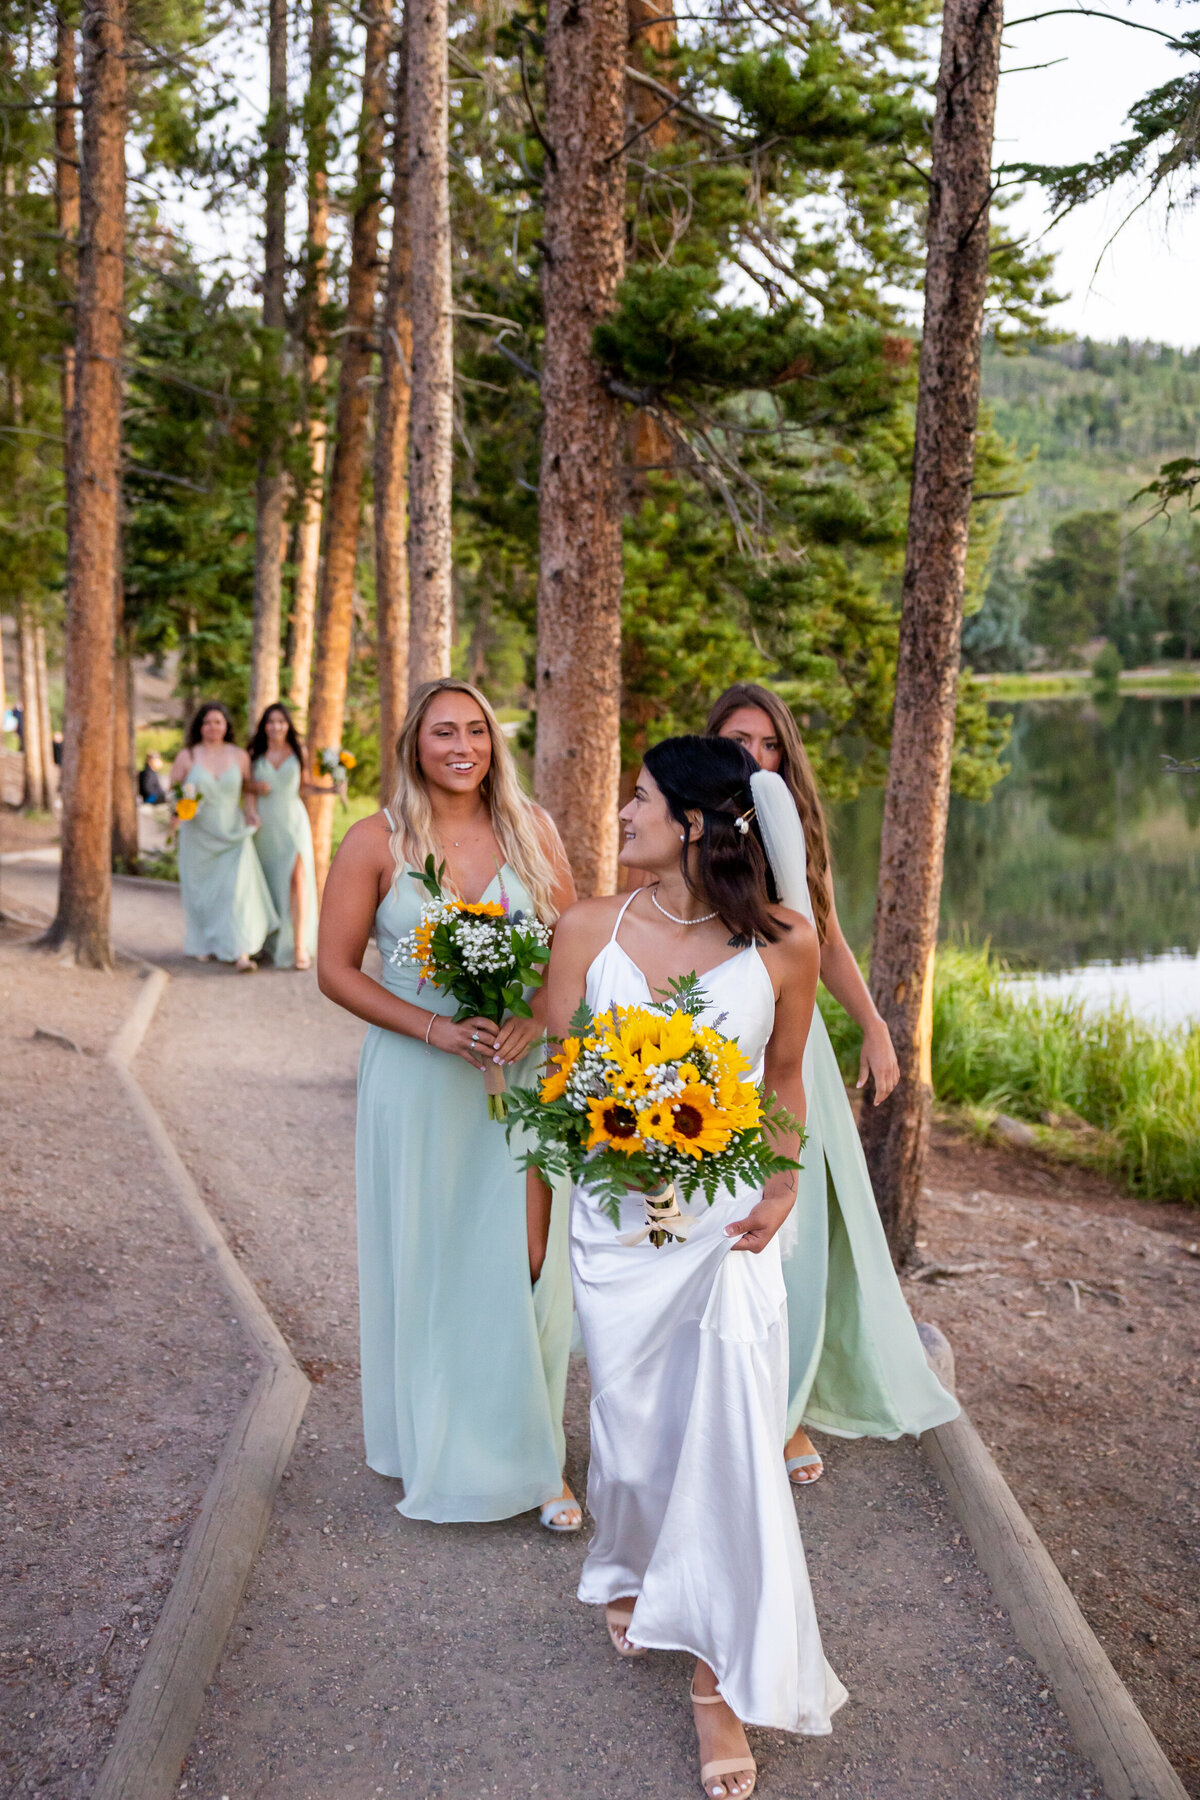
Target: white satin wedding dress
x,y
688,1353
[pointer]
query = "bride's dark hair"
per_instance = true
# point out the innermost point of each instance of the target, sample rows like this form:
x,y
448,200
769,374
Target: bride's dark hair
x,y
711,776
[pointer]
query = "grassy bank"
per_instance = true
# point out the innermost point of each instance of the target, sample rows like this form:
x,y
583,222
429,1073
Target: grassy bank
x,y
1178,680
1097,1088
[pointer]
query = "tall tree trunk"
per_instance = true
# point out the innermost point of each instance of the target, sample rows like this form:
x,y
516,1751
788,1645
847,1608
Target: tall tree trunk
x,y
896,1134
315,299
66,191
344,511
85,887
35,794
50,773
270,527
124,773
579,585
432,460
391,456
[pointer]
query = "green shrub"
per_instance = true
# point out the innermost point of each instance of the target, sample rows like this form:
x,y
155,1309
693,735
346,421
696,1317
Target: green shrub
x,y
999,1048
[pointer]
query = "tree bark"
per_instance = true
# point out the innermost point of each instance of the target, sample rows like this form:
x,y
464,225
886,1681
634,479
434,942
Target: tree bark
x,y
651,30
35,796
315,300
896,1134
270,527
432,457
85,887
579,586
391,455
124,773
49,772
344,511
66,191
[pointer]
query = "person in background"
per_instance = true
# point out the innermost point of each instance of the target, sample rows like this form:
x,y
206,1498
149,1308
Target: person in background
x,y
152,788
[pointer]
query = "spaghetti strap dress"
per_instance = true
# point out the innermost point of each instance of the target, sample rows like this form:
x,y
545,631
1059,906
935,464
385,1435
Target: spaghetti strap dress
x,y
464,1362
284,837
857,1366
688,1354
227,907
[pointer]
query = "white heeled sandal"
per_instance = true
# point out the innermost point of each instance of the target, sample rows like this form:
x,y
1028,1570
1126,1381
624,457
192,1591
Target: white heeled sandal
x,y
551,1514
805,1462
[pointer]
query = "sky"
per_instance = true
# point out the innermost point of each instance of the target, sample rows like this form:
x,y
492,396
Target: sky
x,y
1146,282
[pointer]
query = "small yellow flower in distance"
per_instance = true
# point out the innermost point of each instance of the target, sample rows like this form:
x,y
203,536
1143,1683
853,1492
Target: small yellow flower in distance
x,y
613,1124
186,809
348,760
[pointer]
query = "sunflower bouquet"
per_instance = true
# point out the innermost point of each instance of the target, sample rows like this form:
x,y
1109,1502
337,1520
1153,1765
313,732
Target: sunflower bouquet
x,y
480,953
647,1097
337,764
185,801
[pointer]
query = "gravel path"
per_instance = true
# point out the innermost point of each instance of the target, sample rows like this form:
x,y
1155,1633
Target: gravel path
x,y
378,1656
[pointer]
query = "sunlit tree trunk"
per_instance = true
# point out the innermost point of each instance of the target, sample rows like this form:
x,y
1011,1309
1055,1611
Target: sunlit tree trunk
x,y
42,672
66,189
579,585
391,456
85,888
344,513
432,457
270,526
315,299
36,792
124,774
896,1134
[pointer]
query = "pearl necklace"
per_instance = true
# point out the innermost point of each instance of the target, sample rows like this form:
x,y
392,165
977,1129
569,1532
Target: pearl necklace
x,y
702,920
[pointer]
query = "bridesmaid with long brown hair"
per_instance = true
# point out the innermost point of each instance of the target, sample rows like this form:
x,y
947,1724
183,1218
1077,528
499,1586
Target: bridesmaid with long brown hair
x,y
857,1366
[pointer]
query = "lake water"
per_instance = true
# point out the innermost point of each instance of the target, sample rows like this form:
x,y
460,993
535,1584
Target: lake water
x,y
1085,863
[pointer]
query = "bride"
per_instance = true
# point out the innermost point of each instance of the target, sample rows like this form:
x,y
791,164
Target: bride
x,y
696,1545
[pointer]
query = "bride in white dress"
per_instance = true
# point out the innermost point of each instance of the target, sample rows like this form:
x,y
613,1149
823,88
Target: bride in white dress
x,y
696,1546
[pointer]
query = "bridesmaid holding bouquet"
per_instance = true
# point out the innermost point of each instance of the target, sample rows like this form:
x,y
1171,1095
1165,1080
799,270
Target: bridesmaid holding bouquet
x,y
279,765
464,1285
227,906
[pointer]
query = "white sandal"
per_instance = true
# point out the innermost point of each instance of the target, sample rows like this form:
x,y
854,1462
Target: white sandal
x,y
552,1511
618,1621
724,1765
805,1462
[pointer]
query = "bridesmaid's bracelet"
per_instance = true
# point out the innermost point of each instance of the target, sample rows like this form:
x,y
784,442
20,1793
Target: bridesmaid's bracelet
x,y
429,1027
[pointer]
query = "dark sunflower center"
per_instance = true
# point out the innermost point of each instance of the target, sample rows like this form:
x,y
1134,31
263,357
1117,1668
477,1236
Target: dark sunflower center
x,y
619,1121
688,1122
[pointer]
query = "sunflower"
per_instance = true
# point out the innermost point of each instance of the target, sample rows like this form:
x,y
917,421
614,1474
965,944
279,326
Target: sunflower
x,y
555,1086
347,759
675,1038
483,909
655,1123
614,1124
186,809
697,1128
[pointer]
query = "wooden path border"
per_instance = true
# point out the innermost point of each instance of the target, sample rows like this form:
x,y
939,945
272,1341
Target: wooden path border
x,y
186,1644
1098,1707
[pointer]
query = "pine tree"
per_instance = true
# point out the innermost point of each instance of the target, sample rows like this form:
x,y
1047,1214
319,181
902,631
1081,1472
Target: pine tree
x,y
580,502
82,919
432,421
344,509
392,412
896,1133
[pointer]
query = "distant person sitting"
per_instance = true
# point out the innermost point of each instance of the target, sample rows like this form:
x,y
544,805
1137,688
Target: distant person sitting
x,y
152,789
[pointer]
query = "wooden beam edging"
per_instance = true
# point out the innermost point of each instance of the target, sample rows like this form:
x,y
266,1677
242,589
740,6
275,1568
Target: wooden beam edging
x,y
1098,1707
186,1644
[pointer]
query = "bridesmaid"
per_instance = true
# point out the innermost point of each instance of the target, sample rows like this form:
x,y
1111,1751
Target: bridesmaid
x,y
696,1545
465,1312
279,764
857,1366
227,908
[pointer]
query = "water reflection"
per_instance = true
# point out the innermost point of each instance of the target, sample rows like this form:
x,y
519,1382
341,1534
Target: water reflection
x,y
1088,850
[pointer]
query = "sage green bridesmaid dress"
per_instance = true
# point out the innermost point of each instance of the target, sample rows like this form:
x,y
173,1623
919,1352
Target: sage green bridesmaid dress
x,y
464,1363
283,837
857,1366
227,907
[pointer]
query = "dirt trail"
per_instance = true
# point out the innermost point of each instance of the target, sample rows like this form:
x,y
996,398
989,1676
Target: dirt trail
x,y
377,1656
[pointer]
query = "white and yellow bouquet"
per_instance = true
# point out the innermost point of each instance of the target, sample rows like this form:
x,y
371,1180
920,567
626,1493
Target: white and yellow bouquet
x,y
646,1097
482,954
337,764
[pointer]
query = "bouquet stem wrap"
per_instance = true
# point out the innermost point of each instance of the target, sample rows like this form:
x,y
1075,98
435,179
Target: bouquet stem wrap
x,y
494,1086
663,1220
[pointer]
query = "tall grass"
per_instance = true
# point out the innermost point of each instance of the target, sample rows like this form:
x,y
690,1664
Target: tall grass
x,y
998,1049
